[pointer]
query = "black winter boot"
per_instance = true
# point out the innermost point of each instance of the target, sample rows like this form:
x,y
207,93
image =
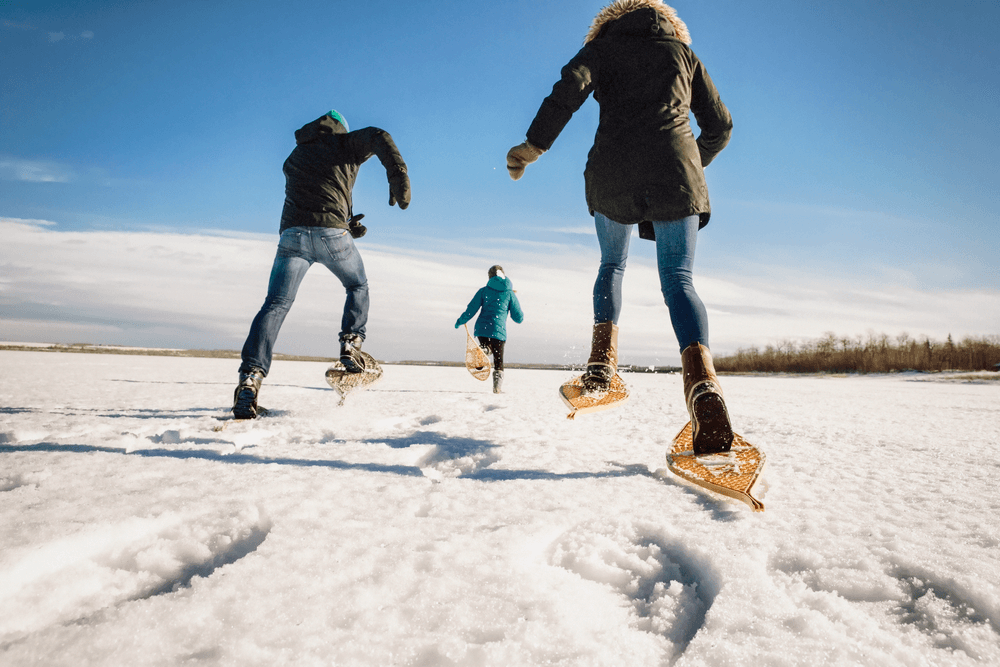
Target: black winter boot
x,y
245,396
350,353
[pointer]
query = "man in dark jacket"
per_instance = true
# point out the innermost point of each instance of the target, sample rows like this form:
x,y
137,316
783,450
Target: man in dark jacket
x,y
496,300
645,168
319,225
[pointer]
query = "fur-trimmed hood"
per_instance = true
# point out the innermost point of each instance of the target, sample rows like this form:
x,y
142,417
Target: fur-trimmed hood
x,y
620,8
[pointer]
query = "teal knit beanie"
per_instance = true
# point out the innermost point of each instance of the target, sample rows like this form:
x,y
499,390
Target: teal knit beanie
x,y
334,114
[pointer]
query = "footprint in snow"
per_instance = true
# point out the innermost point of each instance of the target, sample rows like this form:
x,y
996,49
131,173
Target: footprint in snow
x,y
949,614
952,616
20,480
669,587
110,565
446,456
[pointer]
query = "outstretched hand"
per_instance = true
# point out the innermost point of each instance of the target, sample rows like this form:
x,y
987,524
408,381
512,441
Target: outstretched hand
x,y
399,188
520,157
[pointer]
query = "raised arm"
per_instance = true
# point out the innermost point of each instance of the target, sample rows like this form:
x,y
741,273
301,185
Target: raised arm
x,y
568,94
374,141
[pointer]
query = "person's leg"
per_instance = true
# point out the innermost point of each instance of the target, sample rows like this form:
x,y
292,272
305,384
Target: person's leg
x,y
498,354
603,361
495,348
336,250
710,425
675,246
614,240
286,275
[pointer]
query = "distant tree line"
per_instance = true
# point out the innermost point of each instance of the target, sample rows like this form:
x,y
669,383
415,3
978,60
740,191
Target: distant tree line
x,y
874,353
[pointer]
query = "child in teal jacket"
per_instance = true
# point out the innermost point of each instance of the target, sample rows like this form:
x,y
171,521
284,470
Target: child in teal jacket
x,y
494,301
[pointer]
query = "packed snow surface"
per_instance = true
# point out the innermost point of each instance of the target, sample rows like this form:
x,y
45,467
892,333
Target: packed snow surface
x,y
428,521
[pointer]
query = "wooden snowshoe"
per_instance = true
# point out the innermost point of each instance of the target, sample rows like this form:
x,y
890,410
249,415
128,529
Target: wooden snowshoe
x,y
581,401
344,382
477,360
731,473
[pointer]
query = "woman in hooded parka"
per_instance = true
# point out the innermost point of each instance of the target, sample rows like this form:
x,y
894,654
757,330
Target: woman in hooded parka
x,y
494,301
645,168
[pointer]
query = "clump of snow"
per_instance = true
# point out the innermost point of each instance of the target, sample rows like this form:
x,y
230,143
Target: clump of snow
x,y
429,521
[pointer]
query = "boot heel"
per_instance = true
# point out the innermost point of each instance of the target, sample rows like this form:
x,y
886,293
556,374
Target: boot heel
x,y
245,406
713,432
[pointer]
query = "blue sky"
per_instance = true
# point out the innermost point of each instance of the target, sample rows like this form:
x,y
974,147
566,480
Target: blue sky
x,y
863,154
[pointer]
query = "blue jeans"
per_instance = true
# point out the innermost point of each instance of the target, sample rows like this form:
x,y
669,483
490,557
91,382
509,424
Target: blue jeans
x,y
298,249
675,243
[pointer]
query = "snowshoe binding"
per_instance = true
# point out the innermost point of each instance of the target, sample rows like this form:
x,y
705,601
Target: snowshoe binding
x,y
350,353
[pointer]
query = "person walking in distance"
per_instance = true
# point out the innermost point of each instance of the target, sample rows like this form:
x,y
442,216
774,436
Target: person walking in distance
x,y
645,168
495,301
318,225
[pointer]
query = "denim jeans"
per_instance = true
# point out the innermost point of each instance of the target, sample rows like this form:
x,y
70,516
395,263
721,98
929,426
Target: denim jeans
x,y
675,243
298,249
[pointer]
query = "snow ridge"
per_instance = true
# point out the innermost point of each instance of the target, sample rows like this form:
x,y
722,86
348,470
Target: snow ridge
x,y
105,566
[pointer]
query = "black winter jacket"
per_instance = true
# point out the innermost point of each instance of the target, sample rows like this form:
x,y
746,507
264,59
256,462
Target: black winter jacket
x,y
645,164
322,168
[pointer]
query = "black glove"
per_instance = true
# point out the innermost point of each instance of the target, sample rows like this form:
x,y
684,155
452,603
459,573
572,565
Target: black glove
x,y
355,227
399,188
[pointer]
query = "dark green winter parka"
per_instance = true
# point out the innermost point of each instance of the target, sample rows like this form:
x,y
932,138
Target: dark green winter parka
x,y
322,168
645,164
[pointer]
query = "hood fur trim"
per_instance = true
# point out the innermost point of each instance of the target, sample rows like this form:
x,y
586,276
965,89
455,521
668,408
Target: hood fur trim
x,y
620,8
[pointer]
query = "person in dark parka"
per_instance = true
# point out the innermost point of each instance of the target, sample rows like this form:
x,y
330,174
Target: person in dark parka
x,y
318,225
645,168
495,300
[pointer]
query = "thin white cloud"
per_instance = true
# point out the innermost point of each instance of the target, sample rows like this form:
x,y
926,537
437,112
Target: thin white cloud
x,y
53,37
31,222
34,171
202,291
582,229
18,26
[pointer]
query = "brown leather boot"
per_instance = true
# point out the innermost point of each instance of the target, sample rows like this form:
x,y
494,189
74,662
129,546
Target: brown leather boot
x,y
711,430
603,362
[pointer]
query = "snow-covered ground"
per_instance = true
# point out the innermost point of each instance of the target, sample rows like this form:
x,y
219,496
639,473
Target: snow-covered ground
x,y
430,522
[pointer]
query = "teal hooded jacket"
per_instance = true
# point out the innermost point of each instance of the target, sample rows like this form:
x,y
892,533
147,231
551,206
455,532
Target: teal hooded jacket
x,y
496,300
